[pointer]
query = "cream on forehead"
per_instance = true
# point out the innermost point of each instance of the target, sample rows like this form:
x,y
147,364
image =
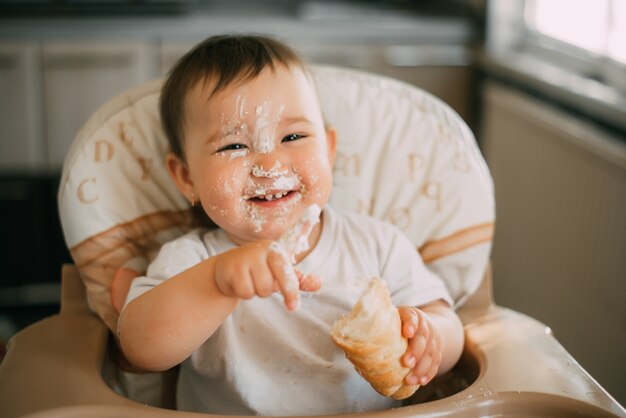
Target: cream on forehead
x,y
241,106
235,124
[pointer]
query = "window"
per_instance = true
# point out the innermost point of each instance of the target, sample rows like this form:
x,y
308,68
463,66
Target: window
x,y
572,51
585,36
616,45
596,27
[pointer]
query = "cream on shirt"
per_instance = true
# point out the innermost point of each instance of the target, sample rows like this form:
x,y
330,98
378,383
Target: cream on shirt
x,y
267,361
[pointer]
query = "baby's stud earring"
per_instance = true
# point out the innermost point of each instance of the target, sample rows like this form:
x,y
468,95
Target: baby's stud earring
x,y
194,199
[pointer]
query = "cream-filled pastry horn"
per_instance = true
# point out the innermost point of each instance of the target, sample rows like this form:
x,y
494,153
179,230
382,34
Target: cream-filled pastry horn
x,y
371,336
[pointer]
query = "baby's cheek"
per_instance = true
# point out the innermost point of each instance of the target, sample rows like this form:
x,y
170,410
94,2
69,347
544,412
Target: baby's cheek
x,y
319,177
229,180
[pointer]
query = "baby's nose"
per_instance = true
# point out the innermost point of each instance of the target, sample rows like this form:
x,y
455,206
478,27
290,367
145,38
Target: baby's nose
x,y
269,168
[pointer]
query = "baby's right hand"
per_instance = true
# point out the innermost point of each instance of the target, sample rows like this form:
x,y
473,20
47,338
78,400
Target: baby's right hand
x,y
259,269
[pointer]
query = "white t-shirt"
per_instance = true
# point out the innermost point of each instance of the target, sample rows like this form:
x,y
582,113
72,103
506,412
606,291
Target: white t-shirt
x,y
267,361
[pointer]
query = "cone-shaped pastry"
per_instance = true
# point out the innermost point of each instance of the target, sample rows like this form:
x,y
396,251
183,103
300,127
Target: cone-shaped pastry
x,y
371,336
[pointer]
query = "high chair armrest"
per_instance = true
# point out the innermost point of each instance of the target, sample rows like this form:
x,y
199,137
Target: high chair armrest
x,y
519,358
56,362
524,371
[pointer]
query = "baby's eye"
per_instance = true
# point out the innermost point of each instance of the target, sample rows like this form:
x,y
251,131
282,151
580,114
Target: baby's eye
x,y
292,137
232,147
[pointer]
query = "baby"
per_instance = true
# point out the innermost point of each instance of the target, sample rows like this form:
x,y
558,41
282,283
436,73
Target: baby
x,y
250,149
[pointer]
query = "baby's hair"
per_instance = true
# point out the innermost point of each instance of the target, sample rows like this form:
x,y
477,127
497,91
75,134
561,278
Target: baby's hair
x,y
224,59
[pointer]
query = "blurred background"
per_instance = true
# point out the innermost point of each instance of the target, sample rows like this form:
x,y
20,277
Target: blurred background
x,y
542,83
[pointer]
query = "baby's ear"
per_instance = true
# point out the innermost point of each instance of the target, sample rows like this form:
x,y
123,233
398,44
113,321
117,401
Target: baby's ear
x,y
331,143
180,174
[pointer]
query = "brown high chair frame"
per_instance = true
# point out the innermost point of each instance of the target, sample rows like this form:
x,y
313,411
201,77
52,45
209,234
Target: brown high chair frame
x,y
512,366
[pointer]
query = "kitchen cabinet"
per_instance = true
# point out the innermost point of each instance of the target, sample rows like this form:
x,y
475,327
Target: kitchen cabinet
x,y
79,76
443,70
21,124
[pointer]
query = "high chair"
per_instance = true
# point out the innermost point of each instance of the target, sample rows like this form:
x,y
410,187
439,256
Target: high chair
x,y
403,156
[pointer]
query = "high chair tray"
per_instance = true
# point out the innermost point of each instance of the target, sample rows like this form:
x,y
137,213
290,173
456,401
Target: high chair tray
x,y
515,366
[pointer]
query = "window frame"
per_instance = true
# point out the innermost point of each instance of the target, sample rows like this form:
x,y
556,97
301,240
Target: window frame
x,y
599,67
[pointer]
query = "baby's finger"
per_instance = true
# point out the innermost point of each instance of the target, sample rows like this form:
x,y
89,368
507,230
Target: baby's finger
x,y
428,365
417,346
420,372
432,372
243,286
308,283
263,282
425,371
285,275
410,321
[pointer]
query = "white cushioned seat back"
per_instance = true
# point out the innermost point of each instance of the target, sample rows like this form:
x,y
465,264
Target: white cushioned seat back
x,y
403,156
406,157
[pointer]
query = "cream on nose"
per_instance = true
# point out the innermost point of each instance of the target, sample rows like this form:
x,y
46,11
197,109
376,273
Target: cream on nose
x,y
267,119
269,172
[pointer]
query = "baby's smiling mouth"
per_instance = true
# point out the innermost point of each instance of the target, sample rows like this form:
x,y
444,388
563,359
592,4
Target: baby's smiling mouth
x,y
272,195
278,189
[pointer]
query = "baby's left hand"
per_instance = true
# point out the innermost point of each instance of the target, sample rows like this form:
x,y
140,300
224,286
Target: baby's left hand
x,y
423,354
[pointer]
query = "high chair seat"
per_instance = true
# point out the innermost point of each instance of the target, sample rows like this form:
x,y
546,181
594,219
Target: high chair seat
x,y
403,156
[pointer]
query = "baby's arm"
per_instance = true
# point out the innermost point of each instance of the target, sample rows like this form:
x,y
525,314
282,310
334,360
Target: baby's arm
x,y
435,337
163,326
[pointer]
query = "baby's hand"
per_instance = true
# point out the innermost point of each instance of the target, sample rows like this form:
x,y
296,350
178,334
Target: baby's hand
x,y
423,354
260,269
264,267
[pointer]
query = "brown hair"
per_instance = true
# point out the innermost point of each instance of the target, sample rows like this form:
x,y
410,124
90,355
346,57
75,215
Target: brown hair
x,y
225,59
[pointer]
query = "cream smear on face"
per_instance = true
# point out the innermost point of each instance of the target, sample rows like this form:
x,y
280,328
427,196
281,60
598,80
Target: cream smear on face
x,y
261,140
273,172
235,127
265,127
280,181
256,216
240,153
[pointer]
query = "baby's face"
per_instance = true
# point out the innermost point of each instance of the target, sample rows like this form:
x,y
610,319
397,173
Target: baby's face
x,y
257,153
